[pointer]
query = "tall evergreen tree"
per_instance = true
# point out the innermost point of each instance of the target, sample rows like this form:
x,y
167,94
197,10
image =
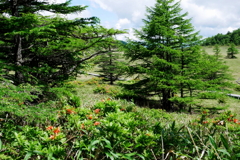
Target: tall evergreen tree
x,y
165,55
41,49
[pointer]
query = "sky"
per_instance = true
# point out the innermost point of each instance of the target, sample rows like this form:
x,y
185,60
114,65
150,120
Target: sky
x,y
209,17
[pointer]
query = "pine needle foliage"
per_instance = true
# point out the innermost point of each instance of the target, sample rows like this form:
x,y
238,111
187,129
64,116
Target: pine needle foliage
x,y
165,57
47,50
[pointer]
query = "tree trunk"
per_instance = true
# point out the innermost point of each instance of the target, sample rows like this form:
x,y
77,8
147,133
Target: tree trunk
x,y
166,103
19,78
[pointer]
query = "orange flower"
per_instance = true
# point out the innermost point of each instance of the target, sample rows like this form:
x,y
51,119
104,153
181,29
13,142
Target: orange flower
x,y
90,116
49,128
52,137
97,123
70,111
205,122
97,111
21,103
82,126
57,130
204,112
235,120
109,99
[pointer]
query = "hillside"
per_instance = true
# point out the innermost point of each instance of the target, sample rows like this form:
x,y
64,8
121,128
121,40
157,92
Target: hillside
x,y
223,39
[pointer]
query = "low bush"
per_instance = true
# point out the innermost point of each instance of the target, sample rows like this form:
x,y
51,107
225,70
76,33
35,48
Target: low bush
x,y
109,130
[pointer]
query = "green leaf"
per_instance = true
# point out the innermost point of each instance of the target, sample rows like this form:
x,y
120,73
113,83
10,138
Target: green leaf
x,y
28,155
225,152
237,155
108,143
225,142
109,155
213,142
1,145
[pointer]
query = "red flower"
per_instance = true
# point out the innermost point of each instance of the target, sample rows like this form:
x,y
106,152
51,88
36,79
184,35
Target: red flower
x,y
235,120
69,111
82,126
97,111
49,128
52,137
57,130
97,123
204,112
90,116
205,122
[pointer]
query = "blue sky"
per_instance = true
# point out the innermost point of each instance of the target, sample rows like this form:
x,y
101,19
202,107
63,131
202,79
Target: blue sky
x,y
208,16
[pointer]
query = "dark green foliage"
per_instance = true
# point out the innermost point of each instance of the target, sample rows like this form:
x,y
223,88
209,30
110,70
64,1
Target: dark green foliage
x,y
111,66
223,39
167,60
47,50
164,53
217,50
232,50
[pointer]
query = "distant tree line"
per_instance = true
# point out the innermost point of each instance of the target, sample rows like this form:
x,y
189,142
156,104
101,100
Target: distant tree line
x,y
224,39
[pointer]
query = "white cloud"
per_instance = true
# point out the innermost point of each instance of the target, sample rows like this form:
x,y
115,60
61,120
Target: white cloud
x,y
55,1
130,35
122,23
210,16
213,16
84,14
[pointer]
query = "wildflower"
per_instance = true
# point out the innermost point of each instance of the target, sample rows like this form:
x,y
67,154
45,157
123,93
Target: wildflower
x,y
89,116
49,128
52,137
82,126
204,112
21,103
97,123
235,120
229,119
97,111
70,111
109,99
57,130
122,109
205,122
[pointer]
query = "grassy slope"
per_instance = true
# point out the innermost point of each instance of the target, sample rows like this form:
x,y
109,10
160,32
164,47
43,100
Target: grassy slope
x,y
234,70
89,98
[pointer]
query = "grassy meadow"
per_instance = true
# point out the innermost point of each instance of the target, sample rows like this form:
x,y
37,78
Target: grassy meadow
x,y
92,123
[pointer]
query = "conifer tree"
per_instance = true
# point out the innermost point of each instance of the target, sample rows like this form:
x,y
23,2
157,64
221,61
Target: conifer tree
x,y
217,50
232,50
165,55
111,66
46,50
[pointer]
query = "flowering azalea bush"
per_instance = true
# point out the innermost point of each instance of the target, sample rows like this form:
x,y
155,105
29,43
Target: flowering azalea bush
x,y
111,130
